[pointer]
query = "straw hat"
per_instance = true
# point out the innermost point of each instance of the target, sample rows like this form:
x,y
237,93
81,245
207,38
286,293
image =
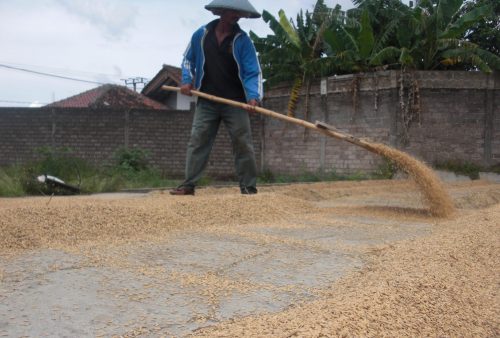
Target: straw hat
x,y
217,6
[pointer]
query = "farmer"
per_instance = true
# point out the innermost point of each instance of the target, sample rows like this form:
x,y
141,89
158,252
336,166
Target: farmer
x,y
221,60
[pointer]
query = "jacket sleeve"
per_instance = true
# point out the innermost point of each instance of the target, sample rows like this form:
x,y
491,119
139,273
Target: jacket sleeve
x,y
250,71
188,65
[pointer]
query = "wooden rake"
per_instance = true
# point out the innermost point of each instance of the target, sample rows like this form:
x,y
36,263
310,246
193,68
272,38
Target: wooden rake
x,y
440,203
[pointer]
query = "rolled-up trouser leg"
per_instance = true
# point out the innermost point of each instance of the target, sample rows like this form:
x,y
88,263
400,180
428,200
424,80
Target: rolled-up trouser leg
x,y
204,129
237,122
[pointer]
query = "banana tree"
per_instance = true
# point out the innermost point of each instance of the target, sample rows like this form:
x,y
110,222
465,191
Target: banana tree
x,y
291,53
485,33
431,37
353,47
384,14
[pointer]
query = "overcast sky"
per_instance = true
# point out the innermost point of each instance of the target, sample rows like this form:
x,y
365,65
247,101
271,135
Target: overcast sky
x,y
102,41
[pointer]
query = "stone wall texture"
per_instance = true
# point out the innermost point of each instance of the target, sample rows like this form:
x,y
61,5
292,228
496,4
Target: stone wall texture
x,y
455,116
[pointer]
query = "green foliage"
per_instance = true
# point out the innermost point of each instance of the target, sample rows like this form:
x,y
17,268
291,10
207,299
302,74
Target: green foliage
x,y
131,159
266,176
357,176
103,182
352,46
485,33
294,52
290,31
437,34
269,177
206,181
10,183
128,171
386,170
431,36
384,17
495,168
58,162
460,167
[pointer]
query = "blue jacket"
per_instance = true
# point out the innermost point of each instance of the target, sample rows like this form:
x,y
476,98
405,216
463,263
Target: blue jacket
x,y
245,56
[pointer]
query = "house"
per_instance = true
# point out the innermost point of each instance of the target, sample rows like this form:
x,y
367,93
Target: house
x,y
109,96
170,76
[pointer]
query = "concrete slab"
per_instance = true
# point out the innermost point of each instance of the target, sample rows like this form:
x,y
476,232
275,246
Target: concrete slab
x,y
492,177
448,176
196,279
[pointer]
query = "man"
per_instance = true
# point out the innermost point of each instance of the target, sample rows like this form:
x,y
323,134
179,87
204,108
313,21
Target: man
x,y
221,60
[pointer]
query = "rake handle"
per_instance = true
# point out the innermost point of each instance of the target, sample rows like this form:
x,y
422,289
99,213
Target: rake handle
x,y
267,112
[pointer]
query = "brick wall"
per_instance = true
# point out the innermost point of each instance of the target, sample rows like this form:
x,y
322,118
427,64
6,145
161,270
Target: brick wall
x,y
95,135
21,130
459,119
299,150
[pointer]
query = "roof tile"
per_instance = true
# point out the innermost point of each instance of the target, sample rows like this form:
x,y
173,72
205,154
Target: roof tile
x,y
108,96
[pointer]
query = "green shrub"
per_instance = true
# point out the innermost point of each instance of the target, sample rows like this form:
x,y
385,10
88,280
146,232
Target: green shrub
x,y
357,176
58,162
134,159
102,183
460,167
10,184
495,168
129,170
266,176
386,170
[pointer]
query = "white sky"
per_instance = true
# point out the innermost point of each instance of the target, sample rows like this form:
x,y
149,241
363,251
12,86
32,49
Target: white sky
x,y
103,41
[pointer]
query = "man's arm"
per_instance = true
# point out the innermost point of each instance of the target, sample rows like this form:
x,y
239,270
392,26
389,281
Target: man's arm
x,y
188,69
250,70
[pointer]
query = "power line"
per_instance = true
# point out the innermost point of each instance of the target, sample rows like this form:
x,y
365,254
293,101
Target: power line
x,y
22,102
58,70
51,75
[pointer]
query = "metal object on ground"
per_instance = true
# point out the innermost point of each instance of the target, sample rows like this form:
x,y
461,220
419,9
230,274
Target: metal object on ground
x,y
55,182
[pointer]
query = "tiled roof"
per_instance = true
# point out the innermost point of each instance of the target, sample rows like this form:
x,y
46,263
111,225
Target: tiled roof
x,y
108,96
169,75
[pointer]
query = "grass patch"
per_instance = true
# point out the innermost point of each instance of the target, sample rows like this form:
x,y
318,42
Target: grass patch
x,y
495,168
460,168
10,182
129,169
269,177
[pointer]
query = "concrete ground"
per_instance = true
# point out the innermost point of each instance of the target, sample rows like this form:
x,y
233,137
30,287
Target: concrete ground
x,y
201,275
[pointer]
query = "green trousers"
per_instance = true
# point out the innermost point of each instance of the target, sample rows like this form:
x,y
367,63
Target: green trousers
x,y
207,118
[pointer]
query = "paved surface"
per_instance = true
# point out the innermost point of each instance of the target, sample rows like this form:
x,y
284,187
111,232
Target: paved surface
x,y
196,279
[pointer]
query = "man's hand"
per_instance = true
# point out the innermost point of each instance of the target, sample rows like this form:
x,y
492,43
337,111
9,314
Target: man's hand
x,y
252,103
186,89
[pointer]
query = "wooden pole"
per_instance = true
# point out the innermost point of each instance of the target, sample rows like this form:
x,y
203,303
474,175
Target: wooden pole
x,y
319,126
440,202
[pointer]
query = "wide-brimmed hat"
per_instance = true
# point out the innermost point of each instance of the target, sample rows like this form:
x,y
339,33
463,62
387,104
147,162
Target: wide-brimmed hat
x,y
217,6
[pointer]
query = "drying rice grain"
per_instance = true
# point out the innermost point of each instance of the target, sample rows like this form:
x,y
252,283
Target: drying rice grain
x,y
440,203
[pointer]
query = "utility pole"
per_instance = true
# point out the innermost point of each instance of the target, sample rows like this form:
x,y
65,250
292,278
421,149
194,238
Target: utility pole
x,y
134,81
